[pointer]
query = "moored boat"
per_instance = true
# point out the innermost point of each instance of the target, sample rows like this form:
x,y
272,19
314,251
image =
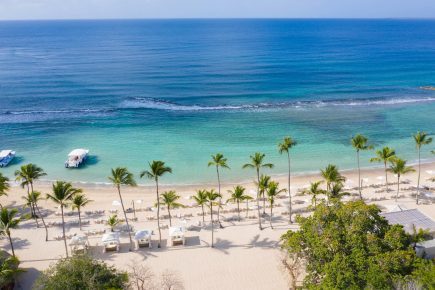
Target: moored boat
x,y
6,157
76,158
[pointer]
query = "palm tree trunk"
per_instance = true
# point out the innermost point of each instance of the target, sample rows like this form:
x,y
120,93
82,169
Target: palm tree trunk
x,y
80,219
63,230
33,204
289,192
203,218
158,212
220,198
247,208
386,176
12,244
125,216
170,220
398,185
258,197
418,179
238,209
211,213
264,203
43,222
270,219
359,176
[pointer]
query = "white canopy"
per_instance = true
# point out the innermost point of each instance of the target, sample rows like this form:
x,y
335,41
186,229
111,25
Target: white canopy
x,y
116,203
142,234
110,237
5,153
78,152
78,240
176,231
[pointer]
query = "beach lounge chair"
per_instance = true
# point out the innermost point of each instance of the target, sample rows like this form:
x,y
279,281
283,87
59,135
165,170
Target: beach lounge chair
x,y
111,242
143,238
79,244
176,235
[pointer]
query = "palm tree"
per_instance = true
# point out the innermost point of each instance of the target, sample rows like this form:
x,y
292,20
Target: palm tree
x,y
78,202
62,194
272,192
169,199
8,221
264,184
113,221
238,195
331,176
337,192
212,196
285,146
314,190
4,187
201,199
219,160
359,142
33,198
121,176
398,167
257,162
9,269
27,175
157,169
421,138
384,155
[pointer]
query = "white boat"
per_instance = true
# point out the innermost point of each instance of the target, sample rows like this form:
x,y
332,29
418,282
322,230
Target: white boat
x,y
76,157
6,157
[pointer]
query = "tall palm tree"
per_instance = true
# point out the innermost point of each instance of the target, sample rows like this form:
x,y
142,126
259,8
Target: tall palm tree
x,y
421,138
272,192
62,194
8,221
284,147
212,197
314,190
219,161
79,201
238,195
257,162
157,170
264,184
384,155
121,176
27,175
201,199
360,143
4,187
33,198
169,199
398,167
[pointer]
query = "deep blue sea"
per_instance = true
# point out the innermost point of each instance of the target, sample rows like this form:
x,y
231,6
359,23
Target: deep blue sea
x,y
180,90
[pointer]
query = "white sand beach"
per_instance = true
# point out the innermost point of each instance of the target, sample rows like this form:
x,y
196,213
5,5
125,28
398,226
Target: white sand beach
x,y
243,257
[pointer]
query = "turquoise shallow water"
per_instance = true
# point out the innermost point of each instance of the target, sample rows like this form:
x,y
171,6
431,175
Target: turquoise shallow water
x,y
180,90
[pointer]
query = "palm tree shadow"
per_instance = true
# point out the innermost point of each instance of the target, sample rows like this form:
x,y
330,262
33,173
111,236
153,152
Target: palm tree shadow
x,y
264,243
223,245
18,243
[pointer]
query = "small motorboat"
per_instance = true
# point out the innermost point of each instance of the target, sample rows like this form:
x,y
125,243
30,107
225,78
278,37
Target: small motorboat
x,y
76,158
6,157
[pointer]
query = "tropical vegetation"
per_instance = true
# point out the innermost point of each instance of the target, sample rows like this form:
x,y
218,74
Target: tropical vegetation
x,y
170,200
284,147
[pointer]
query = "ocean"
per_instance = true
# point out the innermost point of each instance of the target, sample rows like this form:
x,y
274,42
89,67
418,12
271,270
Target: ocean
x,y
133,91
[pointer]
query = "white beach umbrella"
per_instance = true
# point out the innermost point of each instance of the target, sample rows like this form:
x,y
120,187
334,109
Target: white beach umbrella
x,y
116,203
430,172
380,177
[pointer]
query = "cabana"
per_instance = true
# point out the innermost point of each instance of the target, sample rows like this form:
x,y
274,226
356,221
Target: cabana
x,y
143,238
426,249
79,244
111,242
176,235
410,218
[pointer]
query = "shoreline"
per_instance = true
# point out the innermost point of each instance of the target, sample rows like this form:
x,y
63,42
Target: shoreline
x,y
296,179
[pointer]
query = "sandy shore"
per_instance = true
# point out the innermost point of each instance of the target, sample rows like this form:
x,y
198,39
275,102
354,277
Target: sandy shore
x,y
244,257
